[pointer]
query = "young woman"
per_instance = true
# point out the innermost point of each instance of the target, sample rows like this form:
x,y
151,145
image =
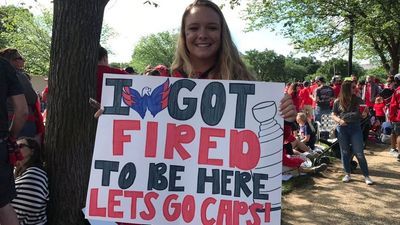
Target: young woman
x,y
206,51
346,112
31,184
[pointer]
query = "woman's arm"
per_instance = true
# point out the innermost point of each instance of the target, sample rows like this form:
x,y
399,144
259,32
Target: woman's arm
x,y
338,120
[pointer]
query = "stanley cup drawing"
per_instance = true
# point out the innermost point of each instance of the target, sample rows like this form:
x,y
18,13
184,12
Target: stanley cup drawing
x,y
271,152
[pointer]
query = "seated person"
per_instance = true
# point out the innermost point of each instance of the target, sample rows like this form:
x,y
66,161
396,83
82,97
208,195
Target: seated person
x,y
386,131
297,163
31,184
297,147
306,130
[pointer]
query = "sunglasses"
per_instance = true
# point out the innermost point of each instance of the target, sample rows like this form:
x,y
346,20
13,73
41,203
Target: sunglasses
x,y
21,145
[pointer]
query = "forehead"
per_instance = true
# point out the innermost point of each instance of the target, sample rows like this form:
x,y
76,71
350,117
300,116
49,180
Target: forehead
x,y
202,15
22,141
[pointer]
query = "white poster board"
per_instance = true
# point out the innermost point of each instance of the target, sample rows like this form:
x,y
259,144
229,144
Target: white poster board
x,y
187,151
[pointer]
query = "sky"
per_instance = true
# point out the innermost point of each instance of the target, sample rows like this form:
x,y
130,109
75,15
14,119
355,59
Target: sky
x,y
131,20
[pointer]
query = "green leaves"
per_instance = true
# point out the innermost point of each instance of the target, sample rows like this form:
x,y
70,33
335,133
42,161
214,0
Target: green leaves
x,y
154,49
30,34
324,25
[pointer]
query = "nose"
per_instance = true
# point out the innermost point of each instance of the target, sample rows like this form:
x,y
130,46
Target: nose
x,y
203,33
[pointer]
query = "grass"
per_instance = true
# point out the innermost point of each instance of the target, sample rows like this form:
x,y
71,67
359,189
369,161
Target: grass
x,y
296,182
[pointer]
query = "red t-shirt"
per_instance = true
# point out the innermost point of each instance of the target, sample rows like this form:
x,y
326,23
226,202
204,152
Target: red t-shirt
x,y
379,109
305,98
368,96
336,90
101,70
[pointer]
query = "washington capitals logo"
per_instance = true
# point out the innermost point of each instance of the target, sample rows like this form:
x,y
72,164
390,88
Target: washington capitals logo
x,y
154,101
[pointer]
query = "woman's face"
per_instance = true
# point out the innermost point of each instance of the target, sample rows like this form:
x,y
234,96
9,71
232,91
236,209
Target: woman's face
x,y
202,34
25,150
353,88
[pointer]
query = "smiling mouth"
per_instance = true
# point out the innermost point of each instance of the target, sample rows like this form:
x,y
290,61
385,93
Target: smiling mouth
x,y
203,45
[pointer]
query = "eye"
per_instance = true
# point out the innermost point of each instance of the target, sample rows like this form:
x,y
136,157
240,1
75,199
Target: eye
x,y
213,28
193,28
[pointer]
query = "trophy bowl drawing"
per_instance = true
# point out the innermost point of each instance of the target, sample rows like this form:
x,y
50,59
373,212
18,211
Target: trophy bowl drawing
x,y
264,111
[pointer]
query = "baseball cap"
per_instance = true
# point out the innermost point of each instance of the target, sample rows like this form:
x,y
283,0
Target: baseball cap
x,y
397,76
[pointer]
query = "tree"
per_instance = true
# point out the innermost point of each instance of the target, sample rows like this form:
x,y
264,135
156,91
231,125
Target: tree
x,y
338,67
311,64
315,25
267,65
30,34
70,125
154,49
294,72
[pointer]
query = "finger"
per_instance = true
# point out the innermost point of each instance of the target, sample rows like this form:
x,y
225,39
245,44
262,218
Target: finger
x,y
285,103
287,110
98,113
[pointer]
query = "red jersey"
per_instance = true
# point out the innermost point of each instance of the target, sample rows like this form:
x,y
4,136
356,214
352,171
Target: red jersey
x,y
379,109
305,97
101,70
336,89
394,115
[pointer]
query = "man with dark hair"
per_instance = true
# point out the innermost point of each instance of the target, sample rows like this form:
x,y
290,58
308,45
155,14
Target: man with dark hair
x,y
323,96
130,70
102,68
9,88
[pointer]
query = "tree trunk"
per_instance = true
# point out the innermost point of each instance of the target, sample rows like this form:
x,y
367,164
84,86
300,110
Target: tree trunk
x,y
70,124
395,57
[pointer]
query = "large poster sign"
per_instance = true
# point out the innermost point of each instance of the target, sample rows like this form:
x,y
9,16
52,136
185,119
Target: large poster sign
x,y
187,151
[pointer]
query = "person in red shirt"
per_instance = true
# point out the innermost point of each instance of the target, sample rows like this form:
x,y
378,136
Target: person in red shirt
x,y
294,92
337,83
306,101
102,68
371,90
394,117
379,108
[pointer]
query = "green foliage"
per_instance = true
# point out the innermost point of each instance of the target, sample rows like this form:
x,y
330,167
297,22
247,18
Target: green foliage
x,y
295,72
378,72
30,34
119,65
338,67
154,49
267,65
325,25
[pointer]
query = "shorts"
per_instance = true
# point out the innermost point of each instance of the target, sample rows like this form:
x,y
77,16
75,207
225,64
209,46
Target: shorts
x,y
7,185
396,128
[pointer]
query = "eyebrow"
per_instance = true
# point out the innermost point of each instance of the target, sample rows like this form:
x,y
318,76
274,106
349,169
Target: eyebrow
x,y
196,23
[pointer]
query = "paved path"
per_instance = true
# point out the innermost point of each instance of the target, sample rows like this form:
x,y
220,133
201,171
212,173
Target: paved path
x,y
329,201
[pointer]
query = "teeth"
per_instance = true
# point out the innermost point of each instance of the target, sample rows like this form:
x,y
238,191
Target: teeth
x,y
203,45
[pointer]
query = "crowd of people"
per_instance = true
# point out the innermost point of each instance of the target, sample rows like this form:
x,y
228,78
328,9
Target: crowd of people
x,y
205,51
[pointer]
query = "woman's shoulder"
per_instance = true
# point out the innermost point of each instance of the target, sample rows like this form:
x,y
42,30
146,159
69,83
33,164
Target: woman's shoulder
x,y
33,173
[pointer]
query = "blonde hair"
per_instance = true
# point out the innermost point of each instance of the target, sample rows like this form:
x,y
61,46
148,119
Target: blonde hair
x,y
379,99
303,117
228,66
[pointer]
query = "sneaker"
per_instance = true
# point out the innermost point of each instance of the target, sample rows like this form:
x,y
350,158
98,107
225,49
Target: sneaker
x,y
311,156
394,152
368,181
346,178
320,168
